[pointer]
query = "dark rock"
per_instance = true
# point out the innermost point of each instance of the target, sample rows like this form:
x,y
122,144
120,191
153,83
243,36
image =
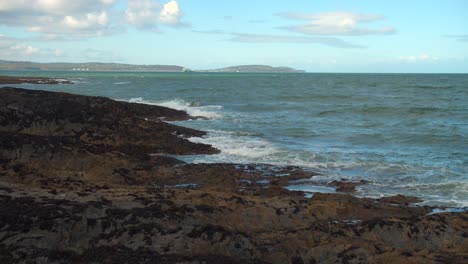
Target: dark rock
x,y
346,186
33,80
400,199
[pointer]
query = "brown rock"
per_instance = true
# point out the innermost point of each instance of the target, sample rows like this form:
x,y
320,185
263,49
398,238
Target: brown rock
x,y
346,186
400,199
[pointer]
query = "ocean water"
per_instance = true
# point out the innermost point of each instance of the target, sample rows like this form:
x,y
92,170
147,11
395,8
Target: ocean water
x,y
404,133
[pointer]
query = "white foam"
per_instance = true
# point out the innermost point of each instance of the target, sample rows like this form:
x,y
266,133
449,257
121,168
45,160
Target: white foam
x,y
235,148
193,109
122,83
61,80
247,147
448,210
311,188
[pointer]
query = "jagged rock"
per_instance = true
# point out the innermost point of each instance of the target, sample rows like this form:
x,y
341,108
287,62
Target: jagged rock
x,y
347,186
400,199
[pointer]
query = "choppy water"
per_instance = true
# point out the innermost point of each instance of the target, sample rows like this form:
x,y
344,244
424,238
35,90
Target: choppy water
x,y
405,133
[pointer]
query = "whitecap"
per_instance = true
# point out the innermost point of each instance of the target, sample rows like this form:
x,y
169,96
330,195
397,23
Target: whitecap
x,y
237,149
192,108
62,80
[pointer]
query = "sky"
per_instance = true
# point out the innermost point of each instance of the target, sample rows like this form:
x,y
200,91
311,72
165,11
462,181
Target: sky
x,y
428,36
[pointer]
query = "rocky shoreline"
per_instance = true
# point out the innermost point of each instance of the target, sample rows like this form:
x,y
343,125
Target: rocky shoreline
x,y
31,80
89,180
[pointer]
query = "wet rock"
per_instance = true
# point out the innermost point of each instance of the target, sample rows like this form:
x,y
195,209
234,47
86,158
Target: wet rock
x,y
346,186
400,199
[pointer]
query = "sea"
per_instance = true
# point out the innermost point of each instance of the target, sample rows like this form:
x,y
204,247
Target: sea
x,y
403,133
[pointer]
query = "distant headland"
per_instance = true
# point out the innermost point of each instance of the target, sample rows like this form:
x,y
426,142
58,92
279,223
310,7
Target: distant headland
x,y
255,68
119,67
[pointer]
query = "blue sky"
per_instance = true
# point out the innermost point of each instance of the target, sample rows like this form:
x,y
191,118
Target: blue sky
x,y
317,36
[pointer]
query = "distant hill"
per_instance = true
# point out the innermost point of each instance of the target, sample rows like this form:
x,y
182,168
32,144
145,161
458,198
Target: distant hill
x,y
89,66
118,67
255,68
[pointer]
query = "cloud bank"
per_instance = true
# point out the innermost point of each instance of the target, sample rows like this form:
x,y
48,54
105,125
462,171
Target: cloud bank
x,y
261,38
65,19
81,18
335,23
17,49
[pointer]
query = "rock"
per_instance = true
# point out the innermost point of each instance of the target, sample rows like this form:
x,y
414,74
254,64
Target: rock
x,y
346,186
33,80
400,199
98,121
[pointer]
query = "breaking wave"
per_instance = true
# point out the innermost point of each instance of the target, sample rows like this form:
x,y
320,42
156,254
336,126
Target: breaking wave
x,y
194,109
237,147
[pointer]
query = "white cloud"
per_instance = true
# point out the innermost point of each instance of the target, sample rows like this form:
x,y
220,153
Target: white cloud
x,y
59,19
88,21
14,49
66,19
148,14
336,23
419,58
53,7
142,13
58,52
76,26
170,13
107,2
22,50
262,38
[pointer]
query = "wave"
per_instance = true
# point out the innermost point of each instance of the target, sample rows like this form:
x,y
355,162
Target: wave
x,y
76,80
376,110
192,108
237,147
384,178
62,80
122,83
450,193
431,86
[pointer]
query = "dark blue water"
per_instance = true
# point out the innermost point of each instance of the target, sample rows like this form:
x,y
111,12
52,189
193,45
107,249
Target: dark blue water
x,y
405,133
